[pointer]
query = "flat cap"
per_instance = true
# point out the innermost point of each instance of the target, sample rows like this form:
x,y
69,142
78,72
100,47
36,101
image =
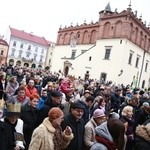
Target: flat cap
x,y
56,94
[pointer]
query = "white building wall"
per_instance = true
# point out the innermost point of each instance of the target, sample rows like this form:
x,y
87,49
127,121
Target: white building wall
x,y
42,50
118,61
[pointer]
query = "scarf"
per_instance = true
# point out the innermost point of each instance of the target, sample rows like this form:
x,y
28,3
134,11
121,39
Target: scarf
x,y
57,139
21,99
109,144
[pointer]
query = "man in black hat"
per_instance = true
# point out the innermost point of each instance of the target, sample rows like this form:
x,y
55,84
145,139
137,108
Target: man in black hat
x,y
53,101
77,123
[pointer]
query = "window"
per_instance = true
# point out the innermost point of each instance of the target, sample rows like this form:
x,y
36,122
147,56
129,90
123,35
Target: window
x,y
2,52
29,47
90,58
14,44
41,58
21,46
146,66
35,56
28,54
130,58
20,53
103,77
107,53
137,62
36,49
83,51
13,52
73,54
42,51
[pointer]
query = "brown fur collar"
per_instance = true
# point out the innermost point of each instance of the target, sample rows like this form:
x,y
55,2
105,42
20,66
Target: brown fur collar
x,y
144,132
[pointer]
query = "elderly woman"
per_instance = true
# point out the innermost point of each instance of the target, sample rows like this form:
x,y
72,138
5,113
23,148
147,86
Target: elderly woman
x,y
127,119
49,135
109,136
89,134
12,86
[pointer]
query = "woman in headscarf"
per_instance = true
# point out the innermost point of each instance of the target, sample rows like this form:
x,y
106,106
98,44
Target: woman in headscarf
x,y
109,136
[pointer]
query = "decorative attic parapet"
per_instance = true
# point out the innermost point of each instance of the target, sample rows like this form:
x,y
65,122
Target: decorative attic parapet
x,y
77,26
128,14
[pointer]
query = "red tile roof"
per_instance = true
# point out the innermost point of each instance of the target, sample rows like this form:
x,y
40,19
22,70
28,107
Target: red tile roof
x,y
28,36
3,42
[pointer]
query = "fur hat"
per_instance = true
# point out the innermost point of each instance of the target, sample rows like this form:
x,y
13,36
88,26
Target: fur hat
x,y
54,113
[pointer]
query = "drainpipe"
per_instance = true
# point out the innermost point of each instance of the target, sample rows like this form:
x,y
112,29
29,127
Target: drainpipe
x,y
141,68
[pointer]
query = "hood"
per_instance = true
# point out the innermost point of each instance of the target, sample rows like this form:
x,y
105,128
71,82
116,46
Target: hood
x,y
102,131
143,132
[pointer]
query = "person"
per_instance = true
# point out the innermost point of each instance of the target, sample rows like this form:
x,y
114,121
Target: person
x,y
116,99
6,137
3,84
30,89
49,135
85,95
89,134
53,101
128,120
2,106
43,99
109,136
142,140
29,114
20,97
76,122
87,107
12,86
16,124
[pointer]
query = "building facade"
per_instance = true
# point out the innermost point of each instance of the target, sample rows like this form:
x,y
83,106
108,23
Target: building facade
x,y
3,52
116,47
26,49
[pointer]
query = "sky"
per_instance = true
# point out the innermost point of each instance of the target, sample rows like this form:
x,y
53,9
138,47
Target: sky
x,y
44,17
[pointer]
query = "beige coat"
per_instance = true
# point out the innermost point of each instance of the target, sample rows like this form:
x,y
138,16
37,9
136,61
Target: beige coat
x,y
42,138
89,134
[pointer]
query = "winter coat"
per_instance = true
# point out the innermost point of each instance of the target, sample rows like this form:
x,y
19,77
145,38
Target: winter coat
x,y
29,116
103,132
15,99
89,135
11,88
19,130
142,141
78,131
6,137
42,138
2,89
30,91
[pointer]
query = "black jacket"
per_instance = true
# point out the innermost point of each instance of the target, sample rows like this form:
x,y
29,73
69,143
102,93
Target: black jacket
x,y
6,137
78,132
29,116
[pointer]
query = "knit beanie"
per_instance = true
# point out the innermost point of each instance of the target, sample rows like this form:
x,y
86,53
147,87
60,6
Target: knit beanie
x,y
54,113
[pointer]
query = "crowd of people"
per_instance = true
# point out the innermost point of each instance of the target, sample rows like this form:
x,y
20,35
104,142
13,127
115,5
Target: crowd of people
x,y
40,110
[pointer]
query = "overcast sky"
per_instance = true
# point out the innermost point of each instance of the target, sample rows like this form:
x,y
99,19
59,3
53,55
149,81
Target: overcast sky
x,y
44,17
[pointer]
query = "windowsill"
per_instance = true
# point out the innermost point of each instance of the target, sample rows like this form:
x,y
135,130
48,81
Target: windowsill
x,y
106,59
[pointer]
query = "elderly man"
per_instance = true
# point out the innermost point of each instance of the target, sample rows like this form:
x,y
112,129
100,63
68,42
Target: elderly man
x,y
53,101
77,123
